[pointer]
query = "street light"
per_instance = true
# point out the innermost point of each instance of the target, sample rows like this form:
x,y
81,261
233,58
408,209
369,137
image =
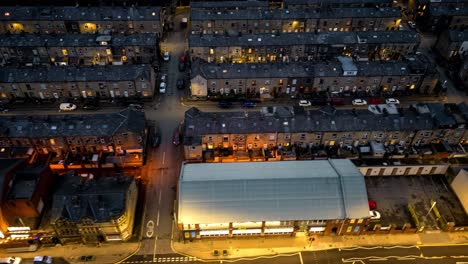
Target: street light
x,y
432,206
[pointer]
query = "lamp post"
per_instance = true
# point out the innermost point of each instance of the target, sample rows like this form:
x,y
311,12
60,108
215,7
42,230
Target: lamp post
x,y
432,206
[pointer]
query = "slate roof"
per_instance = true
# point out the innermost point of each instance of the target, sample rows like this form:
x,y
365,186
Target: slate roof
x,y
448,10
227,4
458,35
337,2
271,191
371,37
284,14
297,69
199,123
68,125
72,13
99,199
76,40
11,74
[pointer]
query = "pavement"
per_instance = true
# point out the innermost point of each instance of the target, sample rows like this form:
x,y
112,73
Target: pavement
x,y
104,253
264,246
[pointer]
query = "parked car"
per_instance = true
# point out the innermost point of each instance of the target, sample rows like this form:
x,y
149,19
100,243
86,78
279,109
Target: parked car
x,y
411,24
136,106
318,101
155,136
10,260
176,137
375,101
181,66
42,260
180,83
182,58
359,102
167,56
162,87
392,101
224,104
91,107
67,107
374,215
337,101
249,104
304,103
164,78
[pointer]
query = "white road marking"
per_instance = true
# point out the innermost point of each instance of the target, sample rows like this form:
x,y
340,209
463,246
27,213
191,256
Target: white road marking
x,y
300,258
159,200
164,157
157,219
154,249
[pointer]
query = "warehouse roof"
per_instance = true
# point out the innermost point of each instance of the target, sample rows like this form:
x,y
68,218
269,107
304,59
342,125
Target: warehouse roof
x,y
227,4
271,191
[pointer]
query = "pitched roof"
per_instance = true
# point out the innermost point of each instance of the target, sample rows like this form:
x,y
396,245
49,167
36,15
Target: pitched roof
x,y
271,191
100,200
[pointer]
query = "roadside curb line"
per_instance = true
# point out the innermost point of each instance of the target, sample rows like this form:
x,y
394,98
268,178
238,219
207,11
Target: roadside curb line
x,y
130,255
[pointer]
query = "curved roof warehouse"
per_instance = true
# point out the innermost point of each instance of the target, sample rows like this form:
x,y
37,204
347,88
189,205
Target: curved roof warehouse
x,y
270,191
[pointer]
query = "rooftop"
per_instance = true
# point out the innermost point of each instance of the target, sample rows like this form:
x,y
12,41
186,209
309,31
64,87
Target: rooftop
x,y
77,40
448,10
458,35
199,123
301,69
337,2
369,37
72,13
273,14
46,74
98,199
271,191
37,126
228,4
25,180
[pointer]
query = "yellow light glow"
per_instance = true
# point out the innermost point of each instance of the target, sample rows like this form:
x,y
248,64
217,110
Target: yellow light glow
x,y
412,86
108,52
65,52
332,143
52,141
211,51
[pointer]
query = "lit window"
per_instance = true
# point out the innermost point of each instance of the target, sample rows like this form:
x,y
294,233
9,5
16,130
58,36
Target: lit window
x,y
65,52
211,51
7,13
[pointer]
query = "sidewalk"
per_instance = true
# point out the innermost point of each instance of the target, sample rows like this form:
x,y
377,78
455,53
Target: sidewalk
x,y
251,247
106,253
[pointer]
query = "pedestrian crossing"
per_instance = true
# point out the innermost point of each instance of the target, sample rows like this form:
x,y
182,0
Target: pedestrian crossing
x,y
164,260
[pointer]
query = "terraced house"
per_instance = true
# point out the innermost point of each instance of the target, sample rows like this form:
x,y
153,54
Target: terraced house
x,y
284,133
89,20
76,82
254,21
82,49
343,76
288,47
97,140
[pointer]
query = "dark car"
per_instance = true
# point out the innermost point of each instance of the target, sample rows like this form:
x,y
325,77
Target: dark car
x,y
181,66
318,101
180,84
155,136
176,137
249,104
224,104
91,107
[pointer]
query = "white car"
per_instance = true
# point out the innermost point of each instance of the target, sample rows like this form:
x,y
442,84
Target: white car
x,y
42,260
10,260
162,87
304,103
392,101
67,107
164,78
359,102
167,56
411,24
374,215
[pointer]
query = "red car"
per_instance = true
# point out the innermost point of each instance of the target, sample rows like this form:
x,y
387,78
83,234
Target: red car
x,y
176,138
337,101
182,58
374,101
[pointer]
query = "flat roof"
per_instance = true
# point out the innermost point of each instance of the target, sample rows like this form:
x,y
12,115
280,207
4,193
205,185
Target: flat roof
x,y
271,191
